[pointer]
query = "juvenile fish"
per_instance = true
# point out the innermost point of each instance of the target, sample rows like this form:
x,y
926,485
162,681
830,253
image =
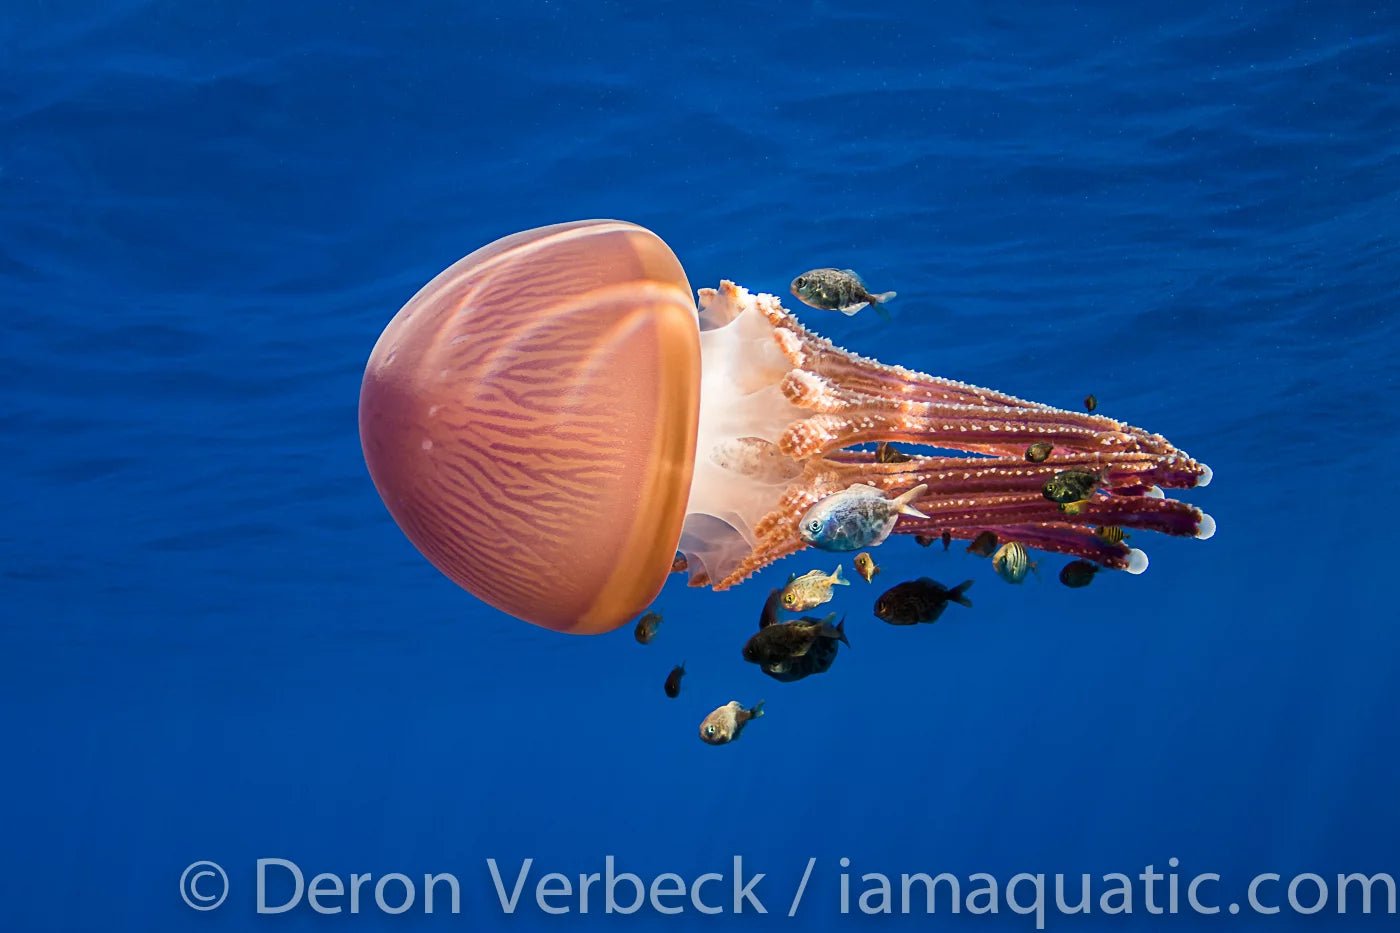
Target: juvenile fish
x,y
888,453
947,540
857,517
921,600
983,545
724,724
1110,534
865,566
673,681
1039,451
817,660
1071,486
836,290
811,589
1011,562
1078,573
646,627
775,644
756,458
1090,403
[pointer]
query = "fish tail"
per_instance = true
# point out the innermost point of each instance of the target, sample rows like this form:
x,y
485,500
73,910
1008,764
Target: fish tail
x,y
757,710
881,298
956,594
902,506
837,579
841,632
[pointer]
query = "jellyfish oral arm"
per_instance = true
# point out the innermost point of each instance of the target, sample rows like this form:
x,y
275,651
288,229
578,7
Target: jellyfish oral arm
x,y
770,377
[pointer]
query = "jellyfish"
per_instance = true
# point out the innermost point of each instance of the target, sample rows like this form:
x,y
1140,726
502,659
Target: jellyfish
x,y
553,417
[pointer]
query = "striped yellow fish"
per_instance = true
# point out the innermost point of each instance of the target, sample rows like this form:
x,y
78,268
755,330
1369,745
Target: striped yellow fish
x,y
1011,562
1110,534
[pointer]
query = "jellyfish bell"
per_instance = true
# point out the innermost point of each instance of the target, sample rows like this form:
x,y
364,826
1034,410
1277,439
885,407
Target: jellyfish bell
x,y
529,420
550,420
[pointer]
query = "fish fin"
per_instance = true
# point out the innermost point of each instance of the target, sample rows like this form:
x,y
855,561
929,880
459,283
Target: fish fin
x,y
880,310
852,310
902,506
802,650
956,594
837,579
757,710
840,631
883,297
855,275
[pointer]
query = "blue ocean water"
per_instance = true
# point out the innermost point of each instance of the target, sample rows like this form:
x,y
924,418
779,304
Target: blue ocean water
x,y
217,645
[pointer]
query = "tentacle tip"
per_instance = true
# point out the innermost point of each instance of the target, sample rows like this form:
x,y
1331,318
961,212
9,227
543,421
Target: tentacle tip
x,y
1205,530
1137,561
1207,474
1155,492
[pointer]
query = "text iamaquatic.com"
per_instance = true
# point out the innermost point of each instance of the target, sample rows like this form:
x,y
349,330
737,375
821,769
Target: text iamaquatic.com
x,y
281,886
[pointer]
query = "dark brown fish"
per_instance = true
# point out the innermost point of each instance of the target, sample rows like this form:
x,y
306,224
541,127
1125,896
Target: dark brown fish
x,y
817,660
1090,403
646,627
1039,451
984,545
774,644
673,680
947,540
921,600
924,540
888,453
1078,573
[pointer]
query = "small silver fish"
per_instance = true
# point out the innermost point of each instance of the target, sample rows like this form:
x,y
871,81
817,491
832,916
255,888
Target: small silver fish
x,y
811,589
857,517
724,724
837,290
1011,562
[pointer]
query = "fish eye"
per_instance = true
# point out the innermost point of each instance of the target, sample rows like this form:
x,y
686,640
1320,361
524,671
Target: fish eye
x,y
710,730
814,525
789,599
801,281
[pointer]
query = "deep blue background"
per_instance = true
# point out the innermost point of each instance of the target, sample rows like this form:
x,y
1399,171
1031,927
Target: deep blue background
x,y
216,644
